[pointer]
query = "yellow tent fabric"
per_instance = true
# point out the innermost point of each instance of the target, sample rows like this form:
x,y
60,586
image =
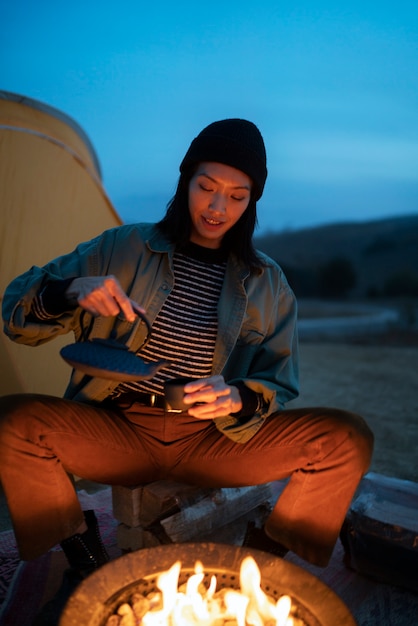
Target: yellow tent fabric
x,y
51,198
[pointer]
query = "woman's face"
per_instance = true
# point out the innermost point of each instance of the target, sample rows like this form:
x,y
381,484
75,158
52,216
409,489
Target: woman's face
x,y
218,196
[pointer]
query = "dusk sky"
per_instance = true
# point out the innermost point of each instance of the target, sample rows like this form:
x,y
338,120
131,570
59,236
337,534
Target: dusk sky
x,y
333,87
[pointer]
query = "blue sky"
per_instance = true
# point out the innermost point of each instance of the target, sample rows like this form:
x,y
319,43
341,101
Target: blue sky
x,y
332,86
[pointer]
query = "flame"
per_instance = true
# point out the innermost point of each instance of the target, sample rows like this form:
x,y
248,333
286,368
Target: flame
x,y
192,604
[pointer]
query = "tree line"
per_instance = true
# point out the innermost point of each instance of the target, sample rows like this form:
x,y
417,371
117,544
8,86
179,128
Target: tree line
x,y
337,277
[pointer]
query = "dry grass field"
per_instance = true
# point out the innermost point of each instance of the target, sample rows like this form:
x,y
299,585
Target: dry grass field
x,y
378,381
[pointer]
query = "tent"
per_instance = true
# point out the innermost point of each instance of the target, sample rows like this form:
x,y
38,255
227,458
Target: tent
x,y
51,198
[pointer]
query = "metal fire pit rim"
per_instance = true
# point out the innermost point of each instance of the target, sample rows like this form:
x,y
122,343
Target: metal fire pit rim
x,y
304,587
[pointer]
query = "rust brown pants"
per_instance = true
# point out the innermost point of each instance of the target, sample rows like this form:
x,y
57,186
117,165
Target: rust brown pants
x,y
44,440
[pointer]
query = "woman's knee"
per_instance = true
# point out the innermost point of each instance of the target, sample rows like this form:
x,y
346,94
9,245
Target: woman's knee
x,y
20,411
356,433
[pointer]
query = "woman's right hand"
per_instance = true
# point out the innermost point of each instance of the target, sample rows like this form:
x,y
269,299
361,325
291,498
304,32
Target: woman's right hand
x,y
102,295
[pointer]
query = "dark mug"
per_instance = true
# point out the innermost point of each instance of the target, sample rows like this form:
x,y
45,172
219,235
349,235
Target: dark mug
x,y
174,394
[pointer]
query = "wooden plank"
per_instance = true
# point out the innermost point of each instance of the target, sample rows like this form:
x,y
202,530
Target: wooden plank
x,y
143,504
126,504
165,497
211,513
130,538
388,500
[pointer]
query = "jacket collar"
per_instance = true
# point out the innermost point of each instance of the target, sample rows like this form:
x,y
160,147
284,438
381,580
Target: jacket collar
x,y
158,242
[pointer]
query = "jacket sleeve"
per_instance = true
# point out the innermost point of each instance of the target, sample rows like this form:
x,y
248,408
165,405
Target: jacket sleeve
x,y
274,368
19,324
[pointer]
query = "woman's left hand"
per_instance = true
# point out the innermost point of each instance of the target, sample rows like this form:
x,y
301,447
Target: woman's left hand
x,y
217,397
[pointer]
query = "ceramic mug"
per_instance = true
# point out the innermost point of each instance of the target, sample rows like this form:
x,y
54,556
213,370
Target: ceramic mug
x,y
174,394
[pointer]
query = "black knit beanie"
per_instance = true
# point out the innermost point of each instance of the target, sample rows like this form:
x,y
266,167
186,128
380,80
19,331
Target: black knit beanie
x,y
233,142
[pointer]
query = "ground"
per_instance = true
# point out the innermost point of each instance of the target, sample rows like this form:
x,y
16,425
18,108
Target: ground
x,y
378,381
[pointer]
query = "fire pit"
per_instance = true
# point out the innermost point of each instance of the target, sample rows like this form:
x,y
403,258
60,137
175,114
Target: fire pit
x,y
100,595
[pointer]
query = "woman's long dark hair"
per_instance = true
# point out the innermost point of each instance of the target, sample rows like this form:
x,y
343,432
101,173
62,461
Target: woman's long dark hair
x,y
177,225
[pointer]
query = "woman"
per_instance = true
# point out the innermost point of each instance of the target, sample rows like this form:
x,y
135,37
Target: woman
x,y
223,314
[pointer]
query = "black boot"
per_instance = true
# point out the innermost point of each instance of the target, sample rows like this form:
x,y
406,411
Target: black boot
x,y
256,538
85,553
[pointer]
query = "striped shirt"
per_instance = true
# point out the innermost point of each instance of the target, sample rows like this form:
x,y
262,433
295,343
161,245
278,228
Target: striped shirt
x,y
184,331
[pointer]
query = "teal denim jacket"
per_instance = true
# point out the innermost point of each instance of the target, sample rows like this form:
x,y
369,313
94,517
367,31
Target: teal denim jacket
x,y
257,335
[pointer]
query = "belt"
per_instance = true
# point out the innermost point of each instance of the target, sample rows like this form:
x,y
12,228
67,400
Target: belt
x,y
148,399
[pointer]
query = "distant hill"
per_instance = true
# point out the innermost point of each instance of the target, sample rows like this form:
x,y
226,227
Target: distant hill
x,y
380,251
